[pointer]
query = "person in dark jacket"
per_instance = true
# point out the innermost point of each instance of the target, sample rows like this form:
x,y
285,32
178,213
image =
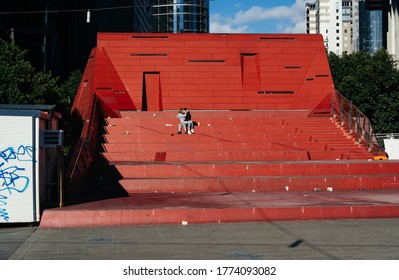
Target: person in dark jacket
x,y
184,116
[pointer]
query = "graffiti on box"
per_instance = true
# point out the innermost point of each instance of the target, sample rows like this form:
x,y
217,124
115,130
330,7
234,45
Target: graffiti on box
x,y
13,179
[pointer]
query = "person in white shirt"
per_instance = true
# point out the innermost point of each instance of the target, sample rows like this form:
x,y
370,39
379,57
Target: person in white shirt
x,y
185,121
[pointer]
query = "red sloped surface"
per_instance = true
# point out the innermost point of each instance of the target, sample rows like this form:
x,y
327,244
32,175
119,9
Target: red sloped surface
x,y
266,148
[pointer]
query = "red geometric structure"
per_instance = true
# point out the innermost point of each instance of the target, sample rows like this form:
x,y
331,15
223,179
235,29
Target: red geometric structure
x,y
267,130
210,71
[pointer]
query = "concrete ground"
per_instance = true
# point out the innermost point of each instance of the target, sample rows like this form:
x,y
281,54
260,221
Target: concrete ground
x,y
363,239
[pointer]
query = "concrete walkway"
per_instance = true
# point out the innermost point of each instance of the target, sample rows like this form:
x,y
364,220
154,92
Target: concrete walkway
x,y
226,207
368,239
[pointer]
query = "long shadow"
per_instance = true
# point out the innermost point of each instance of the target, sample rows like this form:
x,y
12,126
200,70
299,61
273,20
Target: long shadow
x,y
101,183
297,240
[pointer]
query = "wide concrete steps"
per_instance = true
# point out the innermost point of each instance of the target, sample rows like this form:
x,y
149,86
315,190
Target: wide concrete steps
x,y
210,156
238,151
226,146
246,168
269,150
261,176
261,183
224,207
202,156
240,166
276,141
129,137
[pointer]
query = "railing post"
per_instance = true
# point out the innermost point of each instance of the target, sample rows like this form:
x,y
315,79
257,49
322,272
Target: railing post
x,y
359,136
369,136
350,118
363,125
86,138
341,108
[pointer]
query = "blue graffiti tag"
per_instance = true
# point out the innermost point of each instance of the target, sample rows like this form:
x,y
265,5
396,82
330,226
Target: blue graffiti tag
x,y
12,179
23,153
3,211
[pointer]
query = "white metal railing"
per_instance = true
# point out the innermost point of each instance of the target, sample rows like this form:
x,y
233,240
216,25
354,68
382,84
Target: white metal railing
x,y
358,125
382,136
86,137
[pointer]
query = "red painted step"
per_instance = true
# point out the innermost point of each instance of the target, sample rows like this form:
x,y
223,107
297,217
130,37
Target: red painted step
x,y
239,151
201,156
261,183
207,146
209,156
224,207
130,137
284,168
231,129
295,114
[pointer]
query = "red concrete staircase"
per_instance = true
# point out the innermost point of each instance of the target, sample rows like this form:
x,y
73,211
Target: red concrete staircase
x,y
239,151
239,166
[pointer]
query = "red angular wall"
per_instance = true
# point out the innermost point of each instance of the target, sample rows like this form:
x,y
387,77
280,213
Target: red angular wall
x,y
212,71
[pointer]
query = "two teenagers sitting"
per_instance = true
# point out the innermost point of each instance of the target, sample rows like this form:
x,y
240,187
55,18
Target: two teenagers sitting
x,y
185,121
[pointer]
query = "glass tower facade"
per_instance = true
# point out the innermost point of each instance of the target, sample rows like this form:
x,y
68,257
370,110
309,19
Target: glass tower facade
x,y
370,29
178,16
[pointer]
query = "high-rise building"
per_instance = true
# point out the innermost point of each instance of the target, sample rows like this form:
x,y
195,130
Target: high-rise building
x,y
177,16
390,23
142,16
370,29
355,25
33,31
312,18
338,22
59,35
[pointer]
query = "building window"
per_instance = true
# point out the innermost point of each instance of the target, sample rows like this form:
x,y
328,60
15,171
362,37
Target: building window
x,y
346,17
337,31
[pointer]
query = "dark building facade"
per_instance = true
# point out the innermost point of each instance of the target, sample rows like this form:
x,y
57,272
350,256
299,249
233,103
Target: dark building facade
x,y
143,16
27,23
370,29
390,23
59,35
178,16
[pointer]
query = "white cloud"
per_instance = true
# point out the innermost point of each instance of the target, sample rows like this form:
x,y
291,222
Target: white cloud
x,y
221,24
297,27
288,19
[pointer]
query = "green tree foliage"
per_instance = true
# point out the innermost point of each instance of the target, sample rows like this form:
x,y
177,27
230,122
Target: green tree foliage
x,y
70,123
20,83
69,88
371,83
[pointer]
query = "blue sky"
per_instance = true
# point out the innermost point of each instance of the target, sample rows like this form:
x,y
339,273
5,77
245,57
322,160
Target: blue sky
x,y
257,16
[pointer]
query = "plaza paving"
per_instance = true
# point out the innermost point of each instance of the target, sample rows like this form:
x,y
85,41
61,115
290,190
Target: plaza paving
x,y
359,239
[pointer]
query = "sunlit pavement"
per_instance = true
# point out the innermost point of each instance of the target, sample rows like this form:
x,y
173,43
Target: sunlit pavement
x,y
372,239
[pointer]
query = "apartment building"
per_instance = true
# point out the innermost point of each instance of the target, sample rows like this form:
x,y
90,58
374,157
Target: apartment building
x,y
354,25
337,21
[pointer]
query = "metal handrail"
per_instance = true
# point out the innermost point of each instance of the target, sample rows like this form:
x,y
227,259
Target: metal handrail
x,y
357,124
382,136
83,138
